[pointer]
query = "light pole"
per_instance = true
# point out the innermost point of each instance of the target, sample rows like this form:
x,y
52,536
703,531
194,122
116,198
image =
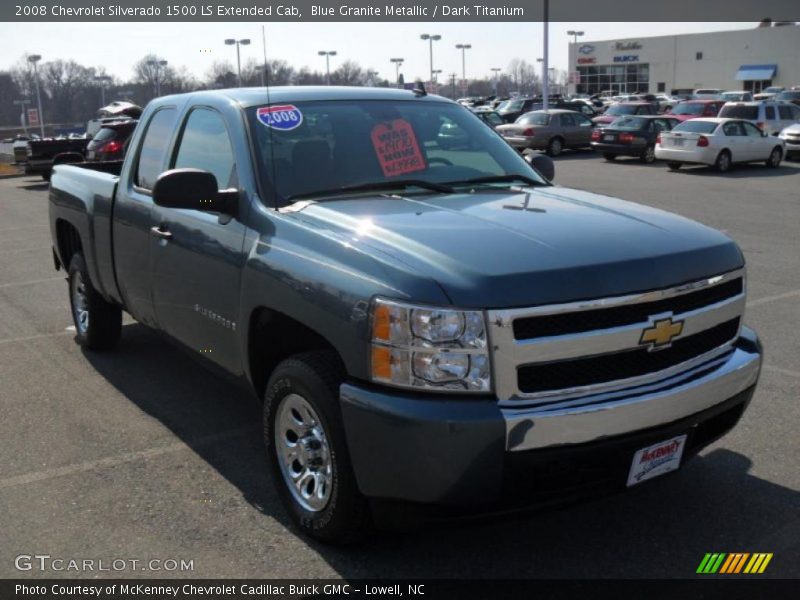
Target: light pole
x,y
101,80
545,54
157,64
575,35
398,62
430,38
327,54
496,71
436,75
23,116
237,43
371,75
464,48
35,58
541,61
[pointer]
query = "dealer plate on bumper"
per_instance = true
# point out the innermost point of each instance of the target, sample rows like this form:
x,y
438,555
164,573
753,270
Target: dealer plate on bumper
x,y
656,460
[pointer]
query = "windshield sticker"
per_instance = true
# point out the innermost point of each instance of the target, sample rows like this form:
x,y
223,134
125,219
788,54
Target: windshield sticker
x,y
284,117
396,148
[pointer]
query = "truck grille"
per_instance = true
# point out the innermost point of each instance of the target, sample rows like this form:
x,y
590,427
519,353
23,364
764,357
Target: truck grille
x,y
557,352
623,365
604,318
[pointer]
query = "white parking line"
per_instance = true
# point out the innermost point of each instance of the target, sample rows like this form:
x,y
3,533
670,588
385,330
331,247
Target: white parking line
x,y
768,299
782,371
112,461
30,282
40,336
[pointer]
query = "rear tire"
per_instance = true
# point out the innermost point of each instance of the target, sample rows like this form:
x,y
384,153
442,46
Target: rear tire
x,y
775,158
723,162
649,155
313,449
98,324
555,146
609,157
673,166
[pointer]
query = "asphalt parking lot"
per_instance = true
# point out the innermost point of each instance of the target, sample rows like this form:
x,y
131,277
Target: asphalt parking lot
x,y
143,454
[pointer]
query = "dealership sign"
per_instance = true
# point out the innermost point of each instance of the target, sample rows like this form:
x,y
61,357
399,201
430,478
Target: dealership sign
x,y
590,60
586,49
626,58
622,46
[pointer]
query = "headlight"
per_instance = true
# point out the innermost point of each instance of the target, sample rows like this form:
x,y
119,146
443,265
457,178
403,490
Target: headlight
x,y
429,348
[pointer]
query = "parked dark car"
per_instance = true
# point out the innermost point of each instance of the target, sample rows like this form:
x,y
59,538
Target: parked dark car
x,y
622,109
111,141
632,136
512,109
42,152
550,130
490,117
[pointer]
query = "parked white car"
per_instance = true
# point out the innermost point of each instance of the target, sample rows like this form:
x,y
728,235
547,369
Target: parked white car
x,y
737,96
707,94
772,117
718,142
791,137
666,102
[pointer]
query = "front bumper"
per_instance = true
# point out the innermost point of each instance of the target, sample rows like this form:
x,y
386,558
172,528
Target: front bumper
x,y
467,451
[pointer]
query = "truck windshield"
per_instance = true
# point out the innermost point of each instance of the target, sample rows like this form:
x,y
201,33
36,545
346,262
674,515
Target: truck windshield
x,y
309,147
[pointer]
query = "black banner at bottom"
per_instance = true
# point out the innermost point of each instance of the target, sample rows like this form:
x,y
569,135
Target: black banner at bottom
x,y
751,588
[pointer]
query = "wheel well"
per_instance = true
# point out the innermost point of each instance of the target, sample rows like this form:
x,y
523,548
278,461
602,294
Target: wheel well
x,y
273,337
68,240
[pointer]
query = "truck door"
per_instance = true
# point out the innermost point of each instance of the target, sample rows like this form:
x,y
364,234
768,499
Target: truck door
x,y
198,256
133,215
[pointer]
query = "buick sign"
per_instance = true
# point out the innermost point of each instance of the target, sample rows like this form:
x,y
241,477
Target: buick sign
x,y
627,58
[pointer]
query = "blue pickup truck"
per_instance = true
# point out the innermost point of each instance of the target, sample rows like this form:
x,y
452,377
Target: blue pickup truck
x,y
427,324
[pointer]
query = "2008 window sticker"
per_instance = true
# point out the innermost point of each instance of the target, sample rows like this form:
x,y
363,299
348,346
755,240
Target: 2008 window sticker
x,y
283,117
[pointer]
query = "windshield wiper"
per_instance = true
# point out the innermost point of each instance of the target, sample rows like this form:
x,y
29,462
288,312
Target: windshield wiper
x,y
378,186
510,178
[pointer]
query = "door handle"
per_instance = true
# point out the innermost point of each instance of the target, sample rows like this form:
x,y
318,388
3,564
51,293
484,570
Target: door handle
x,y
158,232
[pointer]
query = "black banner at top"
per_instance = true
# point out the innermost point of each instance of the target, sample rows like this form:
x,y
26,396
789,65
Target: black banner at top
x,y
399,10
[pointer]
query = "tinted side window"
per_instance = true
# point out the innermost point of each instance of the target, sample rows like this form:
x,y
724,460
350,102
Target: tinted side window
x,y
567,120
205,145
786,113
769,112
154,147
751,130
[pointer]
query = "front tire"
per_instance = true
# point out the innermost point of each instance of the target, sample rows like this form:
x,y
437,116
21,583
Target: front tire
x,y
307,449
98,324
775,157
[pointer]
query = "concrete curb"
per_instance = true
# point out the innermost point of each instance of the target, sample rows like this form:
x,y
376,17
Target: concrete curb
x,y
14,175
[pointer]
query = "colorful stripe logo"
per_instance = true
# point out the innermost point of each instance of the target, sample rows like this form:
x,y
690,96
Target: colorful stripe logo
x,y
734,563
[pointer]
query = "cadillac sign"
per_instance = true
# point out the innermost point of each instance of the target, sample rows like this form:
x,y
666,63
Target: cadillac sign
x,y
623,46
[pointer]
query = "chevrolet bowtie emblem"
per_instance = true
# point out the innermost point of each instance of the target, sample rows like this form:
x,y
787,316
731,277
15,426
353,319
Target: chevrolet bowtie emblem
x,y
661,334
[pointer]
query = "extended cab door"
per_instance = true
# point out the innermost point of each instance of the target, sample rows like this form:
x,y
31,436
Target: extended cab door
x,y
133,209
198,256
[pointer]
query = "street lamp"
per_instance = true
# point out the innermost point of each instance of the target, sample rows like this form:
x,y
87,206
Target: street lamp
x,y
496,71
398,62
430,38
464,48
158,64
435,78
35,58
575,35
243,42
327,54
101,79
23,116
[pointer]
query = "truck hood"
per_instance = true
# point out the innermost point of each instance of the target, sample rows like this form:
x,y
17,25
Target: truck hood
x,y
496,248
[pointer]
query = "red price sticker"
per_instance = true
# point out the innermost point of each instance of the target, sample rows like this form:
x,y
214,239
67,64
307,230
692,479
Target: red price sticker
x,y
396,147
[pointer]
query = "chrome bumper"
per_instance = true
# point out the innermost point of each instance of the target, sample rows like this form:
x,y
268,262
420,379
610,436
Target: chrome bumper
x,y
599,416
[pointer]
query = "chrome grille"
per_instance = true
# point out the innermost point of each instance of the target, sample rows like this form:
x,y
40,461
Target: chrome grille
x,y
551,353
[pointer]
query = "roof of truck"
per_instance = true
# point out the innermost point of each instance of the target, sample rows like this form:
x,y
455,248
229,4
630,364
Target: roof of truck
x,y
258,96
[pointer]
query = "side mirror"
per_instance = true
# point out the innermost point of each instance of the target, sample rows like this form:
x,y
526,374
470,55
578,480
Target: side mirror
x,y
193,189
544,164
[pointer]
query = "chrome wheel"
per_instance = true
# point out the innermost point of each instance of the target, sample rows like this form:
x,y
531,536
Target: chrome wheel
x,y
303,453
775,158
80,303
723,162
649,154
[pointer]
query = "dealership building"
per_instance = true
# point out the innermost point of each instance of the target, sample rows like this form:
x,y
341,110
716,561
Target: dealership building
x,y
746,59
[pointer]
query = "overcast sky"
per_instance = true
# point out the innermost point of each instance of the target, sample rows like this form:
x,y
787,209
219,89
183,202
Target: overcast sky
x,y
117,46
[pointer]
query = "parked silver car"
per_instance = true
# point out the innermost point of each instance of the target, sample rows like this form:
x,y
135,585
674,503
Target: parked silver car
x,y
549,130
